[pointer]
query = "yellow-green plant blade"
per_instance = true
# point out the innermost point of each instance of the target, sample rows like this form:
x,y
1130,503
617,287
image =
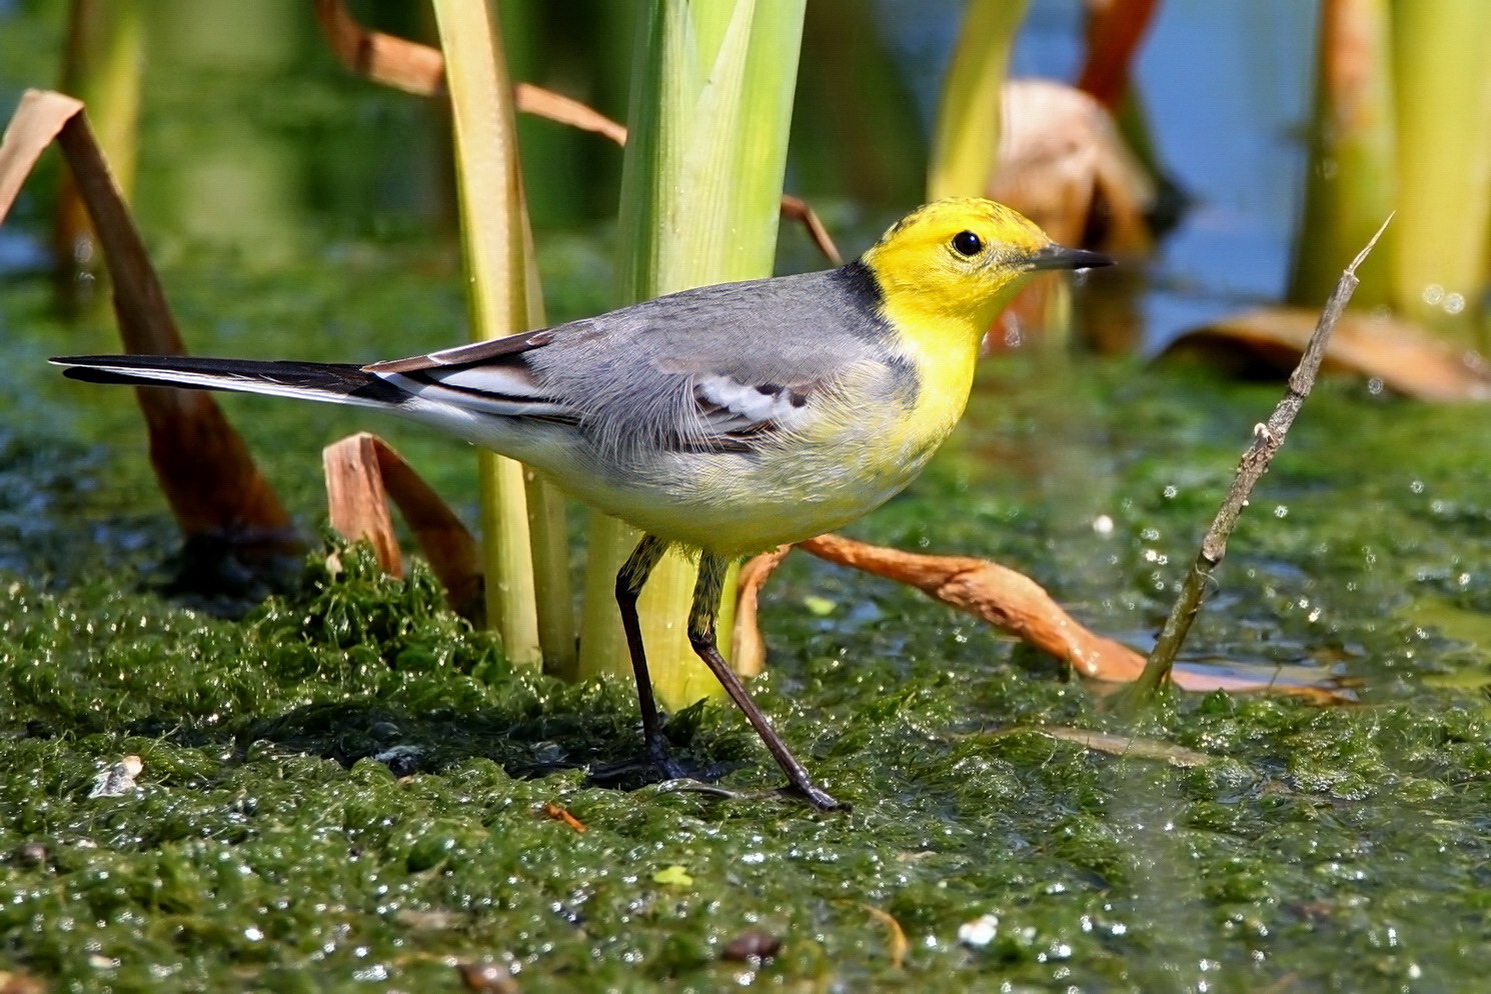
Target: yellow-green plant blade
x,y
1444,157
493,240
102,67
710,111
967,134
548,526
1352,180
548,529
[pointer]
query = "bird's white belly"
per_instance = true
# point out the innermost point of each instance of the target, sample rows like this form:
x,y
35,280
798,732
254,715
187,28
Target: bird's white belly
x,y
741,504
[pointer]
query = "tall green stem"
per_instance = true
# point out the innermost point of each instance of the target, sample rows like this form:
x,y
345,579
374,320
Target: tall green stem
x,y
710,110
1352,180
967,136
494,241
102,67
1444,157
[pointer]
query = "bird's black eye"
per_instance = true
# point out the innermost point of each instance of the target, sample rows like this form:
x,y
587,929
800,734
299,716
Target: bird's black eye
x,y
967,243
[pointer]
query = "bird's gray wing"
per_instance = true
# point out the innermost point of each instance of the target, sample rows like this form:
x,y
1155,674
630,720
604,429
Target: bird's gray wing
x,y
719,368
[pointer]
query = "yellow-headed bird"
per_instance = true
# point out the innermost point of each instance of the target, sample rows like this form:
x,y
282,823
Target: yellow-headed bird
x,y
724,419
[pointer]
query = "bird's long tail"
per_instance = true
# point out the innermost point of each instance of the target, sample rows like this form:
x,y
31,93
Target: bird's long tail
x,y
337,383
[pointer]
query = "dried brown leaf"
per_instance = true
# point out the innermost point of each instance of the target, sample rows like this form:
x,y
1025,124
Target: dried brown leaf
x,y
1062,163
357,500
1115,28
420,69
896,947
204,467
748,651
363,472
1060,156
1004,598
384,58
797,209
1400,354
37,120
544,103
1014,603
557,813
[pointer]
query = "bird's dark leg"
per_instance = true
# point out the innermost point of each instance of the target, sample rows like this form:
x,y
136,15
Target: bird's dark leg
x,y
702,636
629,582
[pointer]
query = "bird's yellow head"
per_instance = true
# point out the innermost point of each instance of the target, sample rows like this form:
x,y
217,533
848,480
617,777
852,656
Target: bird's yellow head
x,y
961,260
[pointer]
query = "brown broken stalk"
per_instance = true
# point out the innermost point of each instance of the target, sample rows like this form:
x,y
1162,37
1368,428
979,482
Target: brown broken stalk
x,y
203,465
363,474
1115,30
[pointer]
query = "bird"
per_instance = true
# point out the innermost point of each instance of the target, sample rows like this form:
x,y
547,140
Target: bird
x,y
723,420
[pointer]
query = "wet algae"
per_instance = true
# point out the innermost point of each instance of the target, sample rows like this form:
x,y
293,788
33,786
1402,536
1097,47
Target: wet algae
x,y
344,789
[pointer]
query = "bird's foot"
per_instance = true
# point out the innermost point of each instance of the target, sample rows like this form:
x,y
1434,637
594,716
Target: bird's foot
x,y
815,796
640,771
818,798
669,768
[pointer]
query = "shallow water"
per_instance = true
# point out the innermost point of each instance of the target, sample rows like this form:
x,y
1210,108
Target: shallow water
x,y
343,790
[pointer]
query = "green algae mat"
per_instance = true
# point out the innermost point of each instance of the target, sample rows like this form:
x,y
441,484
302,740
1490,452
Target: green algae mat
x,y
345,788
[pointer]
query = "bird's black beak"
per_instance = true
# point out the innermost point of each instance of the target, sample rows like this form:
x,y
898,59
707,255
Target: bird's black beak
x,y
1058,257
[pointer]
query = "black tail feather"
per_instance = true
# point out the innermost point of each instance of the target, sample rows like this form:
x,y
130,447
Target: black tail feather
x,y
328,380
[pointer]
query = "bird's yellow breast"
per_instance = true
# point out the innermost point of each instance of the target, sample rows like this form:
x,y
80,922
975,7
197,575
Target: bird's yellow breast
x,y
943,350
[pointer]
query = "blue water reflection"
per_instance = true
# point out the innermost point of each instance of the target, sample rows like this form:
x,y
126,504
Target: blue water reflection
x,y
1227,88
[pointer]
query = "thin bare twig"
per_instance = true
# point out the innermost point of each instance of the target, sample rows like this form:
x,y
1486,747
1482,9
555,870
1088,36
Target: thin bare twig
x,y
1267,439
798,209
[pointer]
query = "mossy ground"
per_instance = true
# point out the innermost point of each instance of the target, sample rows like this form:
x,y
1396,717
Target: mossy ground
x,y
267,846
